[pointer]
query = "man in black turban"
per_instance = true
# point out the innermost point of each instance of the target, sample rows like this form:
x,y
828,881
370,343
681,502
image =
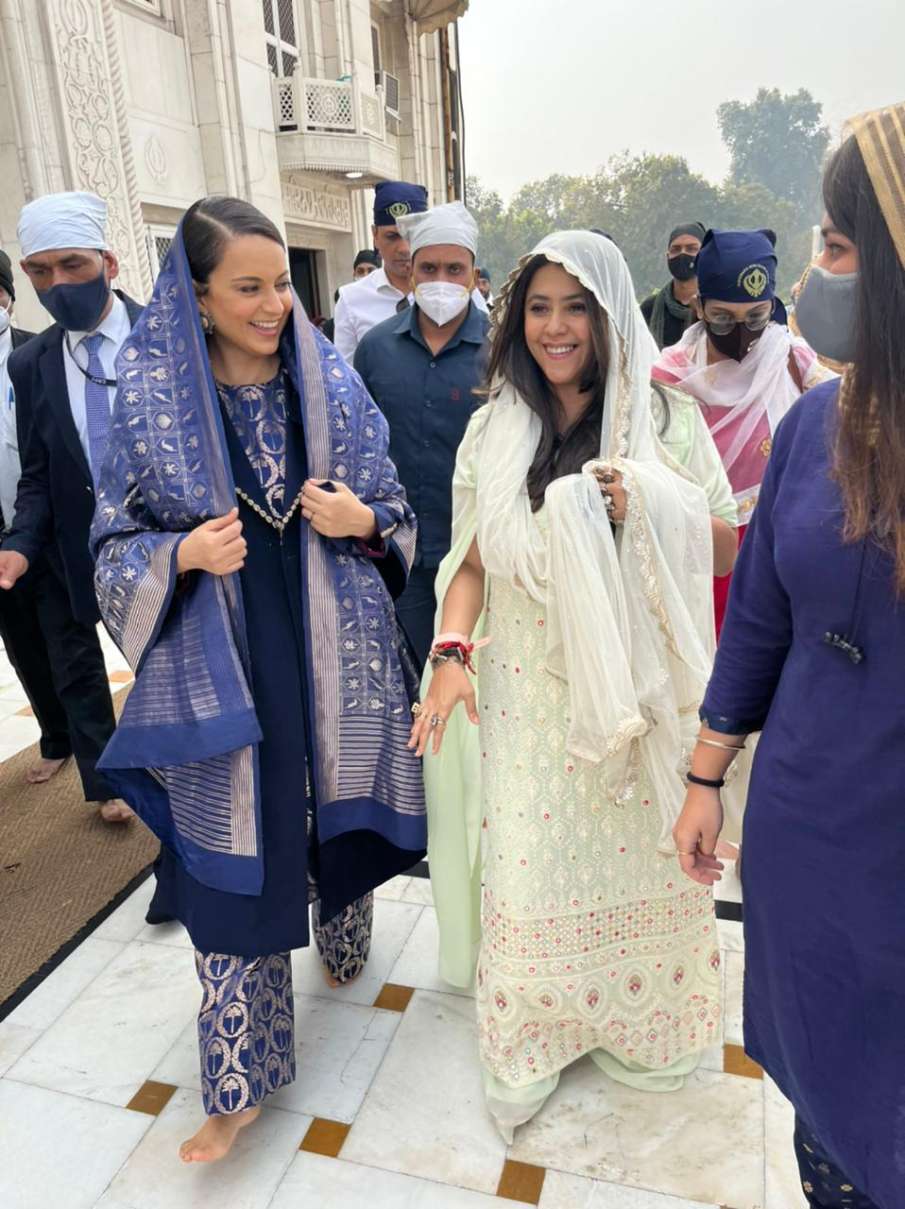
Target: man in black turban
x,y
668,311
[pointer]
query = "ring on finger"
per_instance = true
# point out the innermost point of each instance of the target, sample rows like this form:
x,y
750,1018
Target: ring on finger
x,y
417,709
436,721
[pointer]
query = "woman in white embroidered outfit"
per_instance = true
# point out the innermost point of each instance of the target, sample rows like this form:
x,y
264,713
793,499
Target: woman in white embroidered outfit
x,y
587,562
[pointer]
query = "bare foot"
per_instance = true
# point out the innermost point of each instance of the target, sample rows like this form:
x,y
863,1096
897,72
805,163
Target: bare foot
x,y
214,1139
41,772
116,811
333,983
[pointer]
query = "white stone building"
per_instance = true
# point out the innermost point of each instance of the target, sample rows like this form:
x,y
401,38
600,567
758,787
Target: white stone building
x,y
300,106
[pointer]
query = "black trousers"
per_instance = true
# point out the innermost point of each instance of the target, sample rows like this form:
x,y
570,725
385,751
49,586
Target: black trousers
x,y
78,673
825,1186
26,649
415,609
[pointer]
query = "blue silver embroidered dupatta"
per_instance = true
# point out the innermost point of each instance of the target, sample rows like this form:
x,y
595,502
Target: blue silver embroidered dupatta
x,y
185,751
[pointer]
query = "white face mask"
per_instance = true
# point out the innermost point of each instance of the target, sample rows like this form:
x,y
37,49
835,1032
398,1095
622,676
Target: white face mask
x,y
441,301
4,320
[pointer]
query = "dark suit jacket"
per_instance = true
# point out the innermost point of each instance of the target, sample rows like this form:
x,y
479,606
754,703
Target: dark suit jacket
x,y
19,337
55,500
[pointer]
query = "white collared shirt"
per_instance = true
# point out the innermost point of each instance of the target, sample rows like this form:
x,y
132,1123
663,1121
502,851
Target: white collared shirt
x,y
10,470
115,328
365,303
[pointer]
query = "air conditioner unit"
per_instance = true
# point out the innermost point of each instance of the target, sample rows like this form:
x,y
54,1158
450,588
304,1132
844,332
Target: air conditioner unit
x,y
390,85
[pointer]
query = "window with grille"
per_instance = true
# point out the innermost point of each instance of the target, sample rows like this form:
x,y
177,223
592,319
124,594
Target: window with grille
x,y
159,240
280,35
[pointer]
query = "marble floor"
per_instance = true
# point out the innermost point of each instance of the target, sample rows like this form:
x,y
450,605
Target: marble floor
x,y
99,1084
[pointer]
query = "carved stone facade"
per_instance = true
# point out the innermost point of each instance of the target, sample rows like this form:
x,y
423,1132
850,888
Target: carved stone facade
x,y
153,103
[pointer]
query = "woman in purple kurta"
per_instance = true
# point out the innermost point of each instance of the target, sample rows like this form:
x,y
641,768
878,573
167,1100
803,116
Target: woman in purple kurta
x,y
812,654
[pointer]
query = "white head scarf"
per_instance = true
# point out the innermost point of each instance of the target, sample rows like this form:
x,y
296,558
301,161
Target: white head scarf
x,y
63,220
450,223
630,615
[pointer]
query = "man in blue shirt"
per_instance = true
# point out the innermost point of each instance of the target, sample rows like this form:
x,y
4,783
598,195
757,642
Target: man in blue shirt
x,y
422,367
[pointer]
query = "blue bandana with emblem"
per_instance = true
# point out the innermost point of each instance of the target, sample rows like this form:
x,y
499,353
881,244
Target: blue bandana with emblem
x,y
394,199
737,266
185,753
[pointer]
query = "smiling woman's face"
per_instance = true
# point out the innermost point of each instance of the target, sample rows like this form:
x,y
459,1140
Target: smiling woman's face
x,y
557,326
249,295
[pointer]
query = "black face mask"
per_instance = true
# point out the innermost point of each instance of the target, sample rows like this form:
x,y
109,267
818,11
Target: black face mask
x,y
735,344
682,266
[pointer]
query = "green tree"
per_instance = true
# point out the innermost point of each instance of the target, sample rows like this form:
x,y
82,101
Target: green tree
x,y
779,141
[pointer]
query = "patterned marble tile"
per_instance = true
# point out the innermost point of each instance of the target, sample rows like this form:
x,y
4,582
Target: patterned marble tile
x,y
60,1150
113,1035
152,1098
392,890
128,920
51,997
417,964
337,1184
325,1137
702,1143
154,1177
425,1113
418,891
15,1039
521,1182
574,1192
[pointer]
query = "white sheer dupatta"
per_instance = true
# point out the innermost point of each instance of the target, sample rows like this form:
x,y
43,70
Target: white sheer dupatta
x,y
629,615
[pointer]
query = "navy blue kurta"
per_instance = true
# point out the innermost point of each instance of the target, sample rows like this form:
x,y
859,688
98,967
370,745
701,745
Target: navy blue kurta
x,y
824,834
345,867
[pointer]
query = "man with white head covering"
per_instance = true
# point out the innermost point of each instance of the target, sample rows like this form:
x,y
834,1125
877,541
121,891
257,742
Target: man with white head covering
x,y
422,367
386,292
64,384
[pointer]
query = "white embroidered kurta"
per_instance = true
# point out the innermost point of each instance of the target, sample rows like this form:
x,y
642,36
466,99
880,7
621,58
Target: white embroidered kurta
x,y
591,937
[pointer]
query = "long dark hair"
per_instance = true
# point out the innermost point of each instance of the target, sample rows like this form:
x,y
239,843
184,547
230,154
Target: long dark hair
x,y
510,358
869,462
211,222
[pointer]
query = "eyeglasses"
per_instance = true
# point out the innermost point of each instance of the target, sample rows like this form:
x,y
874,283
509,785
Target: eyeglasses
x,y
755,321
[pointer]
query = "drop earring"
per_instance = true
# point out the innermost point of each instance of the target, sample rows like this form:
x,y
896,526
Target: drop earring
x,y
207,324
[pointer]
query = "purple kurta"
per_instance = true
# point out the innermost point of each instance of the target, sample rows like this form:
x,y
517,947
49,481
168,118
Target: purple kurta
x,y
824,836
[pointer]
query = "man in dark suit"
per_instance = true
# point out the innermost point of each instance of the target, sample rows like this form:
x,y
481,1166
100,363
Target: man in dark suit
x,y
20,627
64,382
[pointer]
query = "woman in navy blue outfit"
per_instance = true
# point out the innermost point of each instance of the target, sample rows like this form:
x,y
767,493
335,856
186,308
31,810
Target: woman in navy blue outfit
x,y
812,654
250,536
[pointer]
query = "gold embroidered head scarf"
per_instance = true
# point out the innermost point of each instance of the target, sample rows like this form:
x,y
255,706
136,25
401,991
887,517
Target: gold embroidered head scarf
x,y
881,139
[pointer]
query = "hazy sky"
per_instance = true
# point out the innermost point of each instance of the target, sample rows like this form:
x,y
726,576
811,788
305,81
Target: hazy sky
x,y
560,85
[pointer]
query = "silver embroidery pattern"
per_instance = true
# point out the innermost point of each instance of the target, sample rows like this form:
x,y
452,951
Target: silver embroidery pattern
x,y
258,415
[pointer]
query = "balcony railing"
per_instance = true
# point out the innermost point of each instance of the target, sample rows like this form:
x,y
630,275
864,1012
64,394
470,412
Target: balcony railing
x,y
305,105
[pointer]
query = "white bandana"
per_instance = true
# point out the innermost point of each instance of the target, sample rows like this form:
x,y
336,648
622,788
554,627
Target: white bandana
x,y
451,224
63,220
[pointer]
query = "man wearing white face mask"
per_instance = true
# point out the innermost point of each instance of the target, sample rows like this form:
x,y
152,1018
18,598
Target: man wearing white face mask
x,y
422,367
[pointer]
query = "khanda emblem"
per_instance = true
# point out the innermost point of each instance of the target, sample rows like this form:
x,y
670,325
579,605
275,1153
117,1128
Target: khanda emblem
x,y
754,280
398,209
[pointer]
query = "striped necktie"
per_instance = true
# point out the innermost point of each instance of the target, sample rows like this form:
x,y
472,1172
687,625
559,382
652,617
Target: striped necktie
x,y
97,404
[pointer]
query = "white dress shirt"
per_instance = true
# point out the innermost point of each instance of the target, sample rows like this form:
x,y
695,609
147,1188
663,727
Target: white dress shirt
x,y
115,328
10,470
365,303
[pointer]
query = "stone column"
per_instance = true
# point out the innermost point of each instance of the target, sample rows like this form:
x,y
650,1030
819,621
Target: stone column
x,y
94,126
